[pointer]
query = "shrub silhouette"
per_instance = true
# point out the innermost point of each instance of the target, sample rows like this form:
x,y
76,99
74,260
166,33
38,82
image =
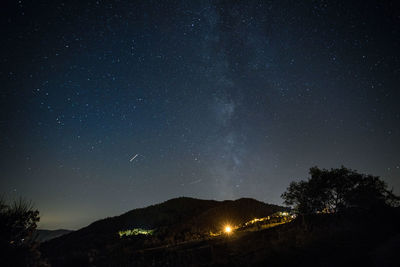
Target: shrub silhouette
x,y
335,190
17,227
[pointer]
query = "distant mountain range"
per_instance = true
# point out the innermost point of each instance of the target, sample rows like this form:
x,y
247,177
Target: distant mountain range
x,y
42,235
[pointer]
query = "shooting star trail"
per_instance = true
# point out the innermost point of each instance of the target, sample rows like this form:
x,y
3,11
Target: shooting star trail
x,y
134,157
196,182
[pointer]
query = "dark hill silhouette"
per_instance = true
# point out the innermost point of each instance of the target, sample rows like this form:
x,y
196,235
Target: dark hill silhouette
x,y
176,219
164,214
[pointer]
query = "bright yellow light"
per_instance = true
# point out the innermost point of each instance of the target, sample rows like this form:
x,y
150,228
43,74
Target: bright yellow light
x,y
228,229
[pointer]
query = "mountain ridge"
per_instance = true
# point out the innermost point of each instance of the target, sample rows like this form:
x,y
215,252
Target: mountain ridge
x,y
174,220
42,235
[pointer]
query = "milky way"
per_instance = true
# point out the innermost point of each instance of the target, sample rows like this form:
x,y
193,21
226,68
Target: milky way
x,y
220,99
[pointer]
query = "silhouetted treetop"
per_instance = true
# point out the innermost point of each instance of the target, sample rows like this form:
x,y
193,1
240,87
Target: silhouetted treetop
x,y
338,189
18,222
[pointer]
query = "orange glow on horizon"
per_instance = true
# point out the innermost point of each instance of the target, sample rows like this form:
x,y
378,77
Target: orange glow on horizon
x,y
228,229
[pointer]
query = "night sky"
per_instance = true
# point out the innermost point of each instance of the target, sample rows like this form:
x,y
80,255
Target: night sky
x,y
218,100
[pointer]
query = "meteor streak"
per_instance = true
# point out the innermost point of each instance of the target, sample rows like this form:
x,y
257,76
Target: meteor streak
x,y
134,157
195,182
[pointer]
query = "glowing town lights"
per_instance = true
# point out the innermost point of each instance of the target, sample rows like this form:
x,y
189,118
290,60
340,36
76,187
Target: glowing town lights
x,y
136,231
228,229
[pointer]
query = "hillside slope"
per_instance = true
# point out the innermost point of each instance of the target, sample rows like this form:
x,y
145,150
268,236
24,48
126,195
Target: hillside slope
x,y
174,220
347,239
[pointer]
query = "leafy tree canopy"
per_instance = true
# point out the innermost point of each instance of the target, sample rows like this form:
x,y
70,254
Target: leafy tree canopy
x,y
338,189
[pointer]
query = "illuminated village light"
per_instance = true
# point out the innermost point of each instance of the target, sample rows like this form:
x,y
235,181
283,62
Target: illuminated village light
x,y
135,231
256,224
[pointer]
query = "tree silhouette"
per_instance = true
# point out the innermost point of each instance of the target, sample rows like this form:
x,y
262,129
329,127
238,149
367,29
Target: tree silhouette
x,y
17,227
334,190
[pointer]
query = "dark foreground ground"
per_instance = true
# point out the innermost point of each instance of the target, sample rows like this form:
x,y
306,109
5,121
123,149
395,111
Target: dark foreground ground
x,y
351,239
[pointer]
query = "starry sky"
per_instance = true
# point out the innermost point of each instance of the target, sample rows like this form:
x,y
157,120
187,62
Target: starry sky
x,y
218,100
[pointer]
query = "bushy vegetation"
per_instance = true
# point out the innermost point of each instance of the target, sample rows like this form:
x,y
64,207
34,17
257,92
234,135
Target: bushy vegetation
x,y
330,191
18,222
